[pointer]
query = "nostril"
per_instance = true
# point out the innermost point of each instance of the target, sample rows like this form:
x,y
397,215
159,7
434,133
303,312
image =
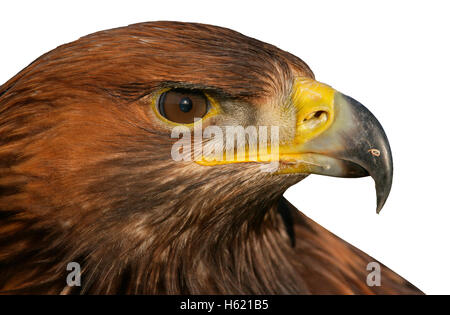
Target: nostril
x,y
317,115
315,119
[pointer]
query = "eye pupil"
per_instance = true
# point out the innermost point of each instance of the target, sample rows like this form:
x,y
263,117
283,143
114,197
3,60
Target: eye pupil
x,y
185,104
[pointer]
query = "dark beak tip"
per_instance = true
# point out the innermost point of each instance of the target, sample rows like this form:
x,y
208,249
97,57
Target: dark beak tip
x,y
379,207
375,155
383,188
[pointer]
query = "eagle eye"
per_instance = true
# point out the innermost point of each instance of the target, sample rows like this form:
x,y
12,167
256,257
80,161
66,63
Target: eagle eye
x,y
182,105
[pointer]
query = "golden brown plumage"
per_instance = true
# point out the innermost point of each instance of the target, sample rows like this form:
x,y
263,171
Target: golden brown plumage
x,y
86,176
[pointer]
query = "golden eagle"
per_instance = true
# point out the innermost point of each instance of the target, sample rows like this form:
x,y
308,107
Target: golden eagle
x,y
87,172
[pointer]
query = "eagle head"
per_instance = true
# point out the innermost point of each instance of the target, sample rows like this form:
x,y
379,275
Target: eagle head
x,y
115,154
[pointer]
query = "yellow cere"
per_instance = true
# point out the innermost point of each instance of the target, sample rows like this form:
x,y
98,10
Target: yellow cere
x,y
315,105
315,113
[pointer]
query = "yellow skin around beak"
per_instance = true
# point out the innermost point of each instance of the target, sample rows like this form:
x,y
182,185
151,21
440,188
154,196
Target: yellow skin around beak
x,y
314,104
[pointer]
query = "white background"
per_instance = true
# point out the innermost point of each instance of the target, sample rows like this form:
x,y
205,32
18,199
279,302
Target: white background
x,y
391,56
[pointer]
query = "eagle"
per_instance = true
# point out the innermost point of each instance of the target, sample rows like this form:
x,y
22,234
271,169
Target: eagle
x,y
88,174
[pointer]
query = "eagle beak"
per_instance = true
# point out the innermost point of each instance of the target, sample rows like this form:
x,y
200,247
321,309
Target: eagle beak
x,y
337,136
